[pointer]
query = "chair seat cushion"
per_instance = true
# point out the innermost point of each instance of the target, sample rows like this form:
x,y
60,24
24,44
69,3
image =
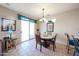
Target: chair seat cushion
x,y
71,42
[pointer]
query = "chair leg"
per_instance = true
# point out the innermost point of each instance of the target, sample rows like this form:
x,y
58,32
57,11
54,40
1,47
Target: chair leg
x,y
74,53
40,47
36,45
54,46
68,49
67,46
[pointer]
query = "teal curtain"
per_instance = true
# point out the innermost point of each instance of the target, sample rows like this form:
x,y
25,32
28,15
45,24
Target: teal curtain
x,y
21,17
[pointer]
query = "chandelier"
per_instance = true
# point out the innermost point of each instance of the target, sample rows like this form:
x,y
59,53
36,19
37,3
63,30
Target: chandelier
x,y
44,19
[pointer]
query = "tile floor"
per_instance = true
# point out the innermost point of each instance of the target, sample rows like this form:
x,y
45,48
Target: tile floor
x,y
28,49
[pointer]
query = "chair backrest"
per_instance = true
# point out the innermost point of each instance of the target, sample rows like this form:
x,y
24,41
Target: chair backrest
x,y
38,38
76,42
68,37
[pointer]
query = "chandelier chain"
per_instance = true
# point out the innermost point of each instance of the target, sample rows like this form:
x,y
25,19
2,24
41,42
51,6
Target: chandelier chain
x,y
43,12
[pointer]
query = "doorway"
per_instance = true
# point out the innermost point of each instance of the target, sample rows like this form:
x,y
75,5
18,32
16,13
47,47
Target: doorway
x,y
32,30
25,30
28,30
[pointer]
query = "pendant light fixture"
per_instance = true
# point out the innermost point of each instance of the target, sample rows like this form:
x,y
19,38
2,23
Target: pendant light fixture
x,y
43,17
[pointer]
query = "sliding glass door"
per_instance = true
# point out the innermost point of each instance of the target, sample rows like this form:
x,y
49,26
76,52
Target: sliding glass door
x,y
27,30
24,30
32,30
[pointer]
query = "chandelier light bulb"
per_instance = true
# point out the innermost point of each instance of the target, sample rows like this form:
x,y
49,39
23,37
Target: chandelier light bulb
x,y
54,20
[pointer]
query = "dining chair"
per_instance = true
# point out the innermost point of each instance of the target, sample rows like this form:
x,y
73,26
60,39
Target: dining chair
x,y
38,41
1,48
70,42
53,42
76,44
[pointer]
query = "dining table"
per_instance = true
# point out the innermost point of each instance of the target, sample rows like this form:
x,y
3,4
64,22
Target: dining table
x,y
46,39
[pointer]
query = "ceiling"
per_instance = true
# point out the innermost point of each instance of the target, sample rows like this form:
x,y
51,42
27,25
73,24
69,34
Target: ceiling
x,y
34,10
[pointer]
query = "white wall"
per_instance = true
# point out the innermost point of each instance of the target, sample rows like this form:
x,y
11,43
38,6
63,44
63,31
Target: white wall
x,y
67,22
6,13
43,27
